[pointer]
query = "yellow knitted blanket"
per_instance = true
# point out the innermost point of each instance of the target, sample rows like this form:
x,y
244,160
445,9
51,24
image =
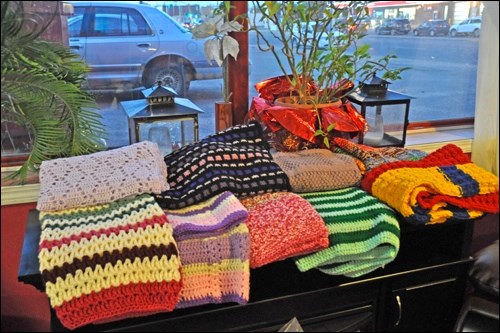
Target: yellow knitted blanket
x,y
443,186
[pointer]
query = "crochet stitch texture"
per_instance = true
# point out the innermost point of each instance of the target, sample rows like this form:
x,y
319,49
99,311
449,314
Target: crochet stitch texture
x,y
108,262
443,186
209,218
316,170
236,160
363,233
282,225
216,269
372,157
101,177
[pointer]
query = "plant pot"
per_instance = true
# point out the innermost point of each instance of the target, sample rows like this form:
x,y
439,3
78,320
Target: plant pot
x,y
291,101
223,115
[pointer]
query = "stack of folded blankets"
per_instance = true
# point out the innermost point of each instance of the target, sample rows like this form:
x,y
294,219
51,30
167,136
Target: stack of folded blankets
x,y
116,225
443,186
106,249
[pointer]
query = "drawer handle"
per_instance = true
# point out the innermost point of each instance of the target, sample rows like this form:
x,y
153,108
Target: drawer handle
x,y
400,310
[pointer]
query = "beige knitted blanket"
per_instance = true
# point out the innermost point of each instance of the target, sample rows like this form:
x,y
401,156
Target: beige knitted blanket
x,y
102,177
316,170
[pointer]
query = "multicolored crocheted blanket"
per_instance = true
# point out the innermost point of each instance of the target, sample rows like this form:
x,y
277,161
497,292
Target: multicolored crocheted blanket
x,y
372,157
216,269
363,233
237,160
443,186
214,245
108,262
208,218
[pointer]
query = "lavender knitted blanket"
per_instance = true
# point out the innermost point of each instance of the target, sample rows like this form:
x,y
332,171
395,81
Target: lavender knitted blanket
x,y
209,218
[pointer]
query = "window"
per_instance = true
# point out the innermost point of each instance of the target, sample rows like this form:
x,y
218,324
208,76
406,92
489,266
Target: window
x,y
442,78
75,23
119,22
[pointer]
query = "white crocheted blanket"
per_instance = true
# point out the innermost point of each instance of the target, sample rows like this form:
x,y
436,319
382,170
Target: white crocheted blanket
x,y
102,177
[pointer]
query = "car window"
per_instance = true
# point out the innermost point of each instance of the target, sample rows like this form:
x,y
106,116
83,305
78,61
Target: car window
x,y
75,23
179,26
119,22
475,21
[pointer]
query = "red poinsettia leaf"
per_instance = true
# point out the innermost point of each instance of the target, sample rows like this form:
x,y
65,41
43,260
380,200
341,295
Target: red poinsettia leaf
x,y
341,118
301,122
297,121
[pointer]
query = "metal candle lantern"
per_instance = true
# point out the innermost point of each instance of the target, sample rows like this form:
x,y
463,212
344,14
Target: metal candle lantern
x,y
375,86
160,95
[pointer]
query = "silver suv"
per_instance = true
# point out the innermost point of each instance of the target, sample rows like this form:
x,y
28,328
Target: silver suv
x,y
470,26
130,45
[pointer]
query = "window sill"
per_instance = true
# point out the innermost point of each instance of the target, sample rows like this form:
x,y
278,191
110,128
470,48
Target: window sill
x,y
18,194
13,193
430,139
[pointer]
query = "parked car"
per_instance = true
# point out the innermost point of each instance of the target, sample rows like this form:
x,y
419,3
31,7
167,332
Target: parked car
x,y
432,28
130,45
397,26
470,26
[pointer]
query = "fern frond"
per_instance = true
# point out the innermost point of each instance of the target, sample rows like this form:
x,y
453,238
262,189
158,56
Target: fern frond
x,y
42,90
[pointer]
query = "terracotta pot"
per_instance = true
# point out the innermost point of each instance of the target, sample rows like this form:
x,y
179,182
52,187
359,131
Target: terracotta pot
x,y
291,101
223,115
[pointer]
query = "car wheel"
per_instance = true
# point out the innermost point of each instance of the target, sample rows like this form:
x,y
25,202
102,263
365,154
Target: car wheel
x,y
453,33
477,32
432,33
170,75
415,32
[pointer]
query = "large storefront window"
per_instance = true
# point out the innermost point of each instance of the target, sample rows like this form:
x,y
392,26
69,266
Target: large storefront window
x,y
120,43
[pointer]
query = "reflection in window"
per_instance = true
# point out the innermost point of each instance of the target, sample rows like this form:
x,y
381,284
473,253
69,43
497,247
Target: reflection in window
x,y
442,78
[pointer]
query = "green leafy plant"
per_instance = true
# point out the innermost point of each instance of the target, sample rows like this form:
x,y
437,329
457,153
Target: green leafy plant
x,y
319,73
42,91
219,44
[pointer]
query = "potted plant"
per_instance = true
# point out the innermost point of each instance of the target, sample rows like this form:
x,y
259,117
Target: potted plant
x,y
42,92
318,51
219,44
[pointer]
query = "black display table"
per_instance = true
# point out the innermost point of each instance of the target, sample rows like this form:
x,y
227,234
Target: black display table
x,y
422,290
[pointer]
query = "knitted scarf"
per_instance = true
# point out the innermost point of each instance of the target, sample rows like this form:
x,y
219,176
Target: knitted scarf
x,y
363,233
108,262
443,186
237,160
